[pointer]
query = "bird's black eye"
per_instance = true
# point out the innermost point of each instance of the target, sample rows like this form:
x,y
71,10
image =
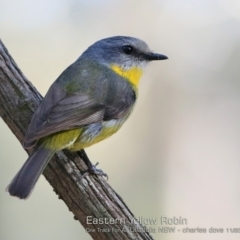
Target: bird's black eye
x,y
127,49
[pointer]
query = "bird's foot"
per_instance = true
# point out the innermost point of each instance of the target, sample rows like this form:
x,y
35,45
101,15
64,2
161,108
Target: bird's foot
x,y
91,168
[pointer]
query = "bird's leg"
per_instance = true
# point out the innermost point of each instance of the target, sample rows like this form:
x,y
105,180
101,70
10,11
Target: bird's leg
x,y
91,168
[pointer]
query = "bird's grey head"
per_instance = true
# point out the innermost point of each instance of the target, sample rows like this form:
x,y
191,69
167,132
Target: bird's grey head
x,y
125,52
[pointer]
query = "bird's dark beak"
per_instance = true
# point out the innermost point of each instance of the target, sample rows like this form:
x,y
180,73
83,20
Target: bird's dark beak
x,y
154,56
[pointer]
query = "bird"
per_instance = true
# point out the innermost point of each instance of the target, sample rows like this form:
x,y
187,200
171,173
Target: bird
x,y
87,103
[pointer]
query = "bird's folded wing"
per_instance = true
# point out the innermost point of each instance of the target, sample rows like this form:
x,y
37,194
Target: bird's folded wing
x,y
69,113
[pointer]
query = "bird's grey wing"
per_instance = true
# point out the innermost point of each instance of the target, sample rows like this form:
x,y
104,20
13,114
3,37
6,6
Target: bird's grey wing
x,y
59,112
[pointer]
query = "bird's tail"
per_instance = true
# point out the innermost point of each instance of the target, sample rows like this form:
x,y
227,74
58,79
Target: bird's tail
x,y
23,183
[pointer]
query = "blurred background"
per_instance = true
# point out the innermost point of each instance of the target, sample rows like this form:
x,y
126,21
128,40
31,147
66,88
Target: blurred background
x,y
178,155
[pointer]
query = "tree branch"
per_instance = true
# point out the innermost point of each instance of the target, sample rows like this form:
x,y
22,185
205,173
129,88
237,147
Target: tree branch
x,y
88,199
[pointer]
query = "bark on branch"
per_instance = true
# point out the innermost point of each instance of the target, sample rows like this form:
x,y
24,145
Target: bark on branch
x,y
91,197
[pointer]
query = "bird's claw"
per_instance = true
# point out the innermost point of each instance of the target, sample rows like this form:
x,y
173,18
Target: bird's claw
x,y
93,170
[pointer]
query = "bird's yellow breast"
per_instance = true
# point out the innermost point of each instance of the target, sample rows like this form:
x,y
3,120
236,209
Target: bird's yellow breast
x,y
133,74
